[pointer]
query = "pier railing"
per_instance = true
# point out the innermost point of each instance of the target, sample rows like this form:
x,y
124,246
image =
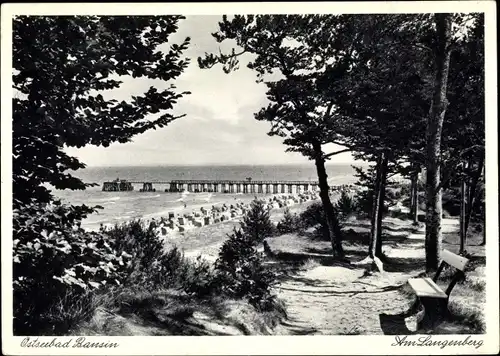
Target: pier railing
x,y
229,181
219,185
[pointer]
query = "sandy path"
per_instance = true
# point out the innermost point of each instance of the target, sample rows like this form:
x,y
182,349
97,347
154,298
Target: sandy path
x,y
350,305
338,300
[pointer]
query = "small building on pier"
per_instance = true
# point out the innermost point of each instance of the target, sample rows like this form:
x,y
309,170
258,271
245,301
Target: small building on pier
x,y
118,185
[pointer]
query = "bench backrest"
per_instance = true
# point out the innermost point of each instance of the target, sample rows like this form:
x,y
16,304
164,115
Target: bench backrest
x,y
453,260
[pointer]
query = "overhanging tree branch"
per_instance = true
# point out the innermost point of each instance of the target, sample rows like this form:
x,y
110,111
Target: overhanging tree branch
x,y
336,153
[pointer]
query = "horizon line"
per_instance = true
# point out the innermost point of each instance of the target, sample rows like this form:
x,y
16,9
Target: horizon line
x,y
221,164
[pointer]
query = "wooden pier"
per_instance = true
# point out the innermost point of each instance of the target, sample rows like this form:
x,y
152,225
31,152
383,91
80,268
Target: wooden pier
x,y
223,186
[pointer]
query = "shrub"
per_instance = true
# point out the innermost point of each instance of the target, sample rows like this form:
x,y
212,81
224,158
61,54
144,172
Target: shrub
x,y
405,190
313,215
57,268
256,223
52,260
289,223
468,315
451,201
393,194
152,267
346,206
240,272
365,201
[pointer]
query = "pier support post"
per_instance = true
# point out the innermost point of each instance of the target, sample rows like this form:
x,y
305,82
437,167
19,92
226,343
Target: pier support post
x,y
260,190
275,188
290,189
282,189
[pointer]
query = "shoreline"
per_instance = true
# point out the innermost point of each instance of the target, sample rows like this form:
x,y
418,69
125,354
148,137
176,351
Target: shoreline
x,y
194,205
177,220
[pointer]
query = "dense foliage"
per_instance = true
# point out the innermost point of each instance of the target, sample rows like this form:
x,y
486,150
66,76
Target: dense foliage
x,y
51,259
346,205
54,271
64,67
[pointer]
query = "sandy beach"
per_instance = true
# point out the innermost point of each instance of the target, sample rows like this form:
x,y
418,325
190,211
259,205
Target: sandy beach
x,y
207,240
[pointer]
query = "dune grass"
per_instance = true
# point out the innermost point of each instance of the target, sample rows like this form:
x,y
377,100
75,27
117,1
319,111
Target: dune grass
x,y
168,312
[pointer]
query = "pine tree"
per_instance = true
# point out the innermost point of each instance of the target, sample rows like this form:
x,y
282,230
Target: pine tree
x,y
257,222
289,223
301,111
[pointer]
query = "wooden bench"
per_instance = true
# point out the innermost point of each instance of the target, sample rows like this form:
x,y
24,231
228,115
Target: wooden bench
x,y
431,296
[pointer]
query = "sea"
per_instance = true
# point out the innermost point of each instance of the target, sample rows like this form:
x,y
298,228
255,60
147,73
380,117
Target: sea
x,y
118,207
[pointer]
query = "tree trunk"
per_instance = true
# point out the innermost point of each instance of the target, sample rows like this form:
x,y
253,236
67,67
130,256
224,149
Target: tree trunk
x,y
374,232
434,209
324,192
412,192
414,206
471,197
483,243
383,183
463,205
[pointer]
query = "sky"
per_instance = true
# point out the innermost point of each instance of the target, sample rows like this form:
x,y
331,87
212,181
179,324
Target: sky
x,y
218,126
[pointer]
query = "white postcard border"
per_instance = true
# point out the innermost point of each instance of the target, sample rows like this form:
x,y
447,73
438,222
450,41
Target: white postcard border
x,y
293,345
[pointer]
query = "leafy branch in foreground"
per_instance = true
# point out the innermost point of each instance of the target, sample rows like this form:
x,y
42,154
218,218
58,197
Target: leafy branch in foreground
x,y
64,68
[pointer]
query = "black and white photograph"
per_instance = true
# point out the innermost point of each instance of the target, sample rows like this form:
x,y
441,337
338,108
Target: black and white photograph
x,y
173,172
